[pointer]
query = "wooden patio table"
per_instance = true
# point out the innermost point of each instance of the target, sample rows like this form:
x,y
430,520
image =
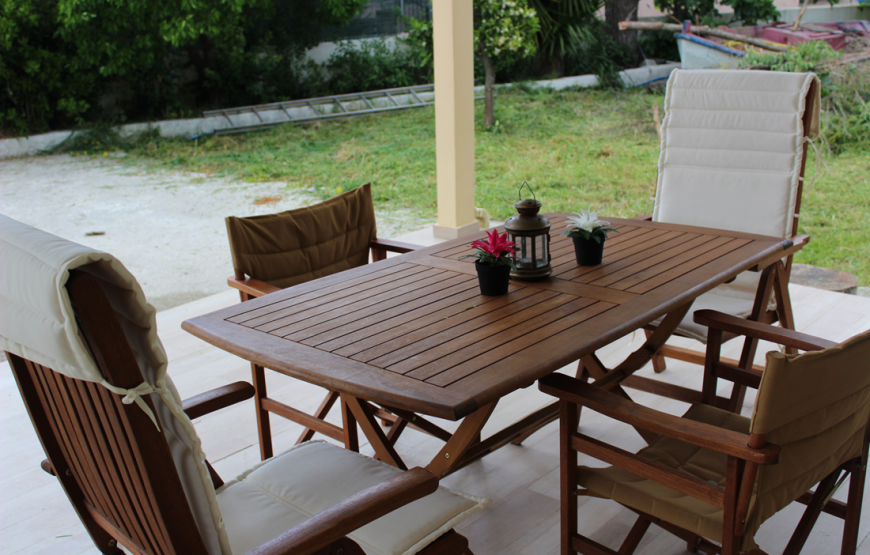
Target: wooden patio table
x,y
413,334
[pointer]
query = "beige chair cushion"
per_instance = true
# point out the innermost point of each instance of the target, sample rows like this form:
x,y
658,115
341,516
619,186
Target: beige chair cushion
x,y
287,489
731,149
299,245
661,501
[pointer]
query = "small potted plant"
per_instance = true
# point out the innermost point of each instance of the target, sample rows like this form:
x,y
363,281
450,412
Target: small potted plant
x,y
495,258
588,233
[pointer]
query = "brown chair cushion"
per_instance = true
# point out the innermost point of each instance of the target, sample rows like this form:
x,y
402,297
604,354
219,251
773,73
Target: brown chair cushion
x,y
661,501
299,245
815,406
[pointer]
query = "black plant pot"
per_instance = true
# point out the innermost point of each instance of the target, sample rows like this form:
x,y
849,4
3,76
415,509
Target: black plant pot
x,y
588,251
494,280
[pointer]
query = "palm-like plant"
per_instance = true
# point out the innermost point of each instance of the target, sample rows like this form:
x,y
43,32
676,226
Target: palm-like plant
x,y
561,29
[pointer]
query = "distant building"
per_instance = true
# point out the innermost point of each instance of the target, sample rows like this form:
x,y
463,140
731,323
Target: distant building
x,y
383,18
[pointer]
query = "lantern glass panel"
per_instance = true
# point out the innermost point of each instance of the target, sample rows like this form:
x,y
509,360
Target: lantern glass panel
x,y
541,258
524,254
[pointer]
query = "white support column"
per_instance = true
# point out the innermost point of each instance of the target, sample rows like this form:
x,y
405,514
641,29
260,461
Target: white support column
x,y
453,30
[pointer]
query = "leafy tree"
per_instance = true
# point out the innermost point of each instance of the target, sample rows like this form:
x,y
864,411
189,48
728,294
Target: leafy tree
x,y
40,89
501,28
749,12
562,24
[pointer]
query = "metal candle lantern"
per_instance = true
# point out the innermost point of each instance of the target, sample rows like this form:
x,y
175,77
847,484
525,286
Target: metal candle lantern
x,y
530,232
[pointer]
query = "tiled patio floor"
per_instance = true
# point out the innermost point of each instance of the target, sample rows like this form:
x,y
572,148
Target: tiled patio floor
x,y
35,517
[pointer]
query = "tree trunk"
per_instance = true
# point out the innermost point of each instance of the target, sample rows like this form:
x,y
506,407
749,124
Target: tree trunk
x,y
488,89
202,57
621,10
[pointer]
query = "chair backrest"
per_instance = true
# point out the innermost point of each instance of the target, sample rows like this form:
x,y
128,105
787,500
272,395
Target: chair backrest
x,y
113,462
816,407
299,245
83,346
733,149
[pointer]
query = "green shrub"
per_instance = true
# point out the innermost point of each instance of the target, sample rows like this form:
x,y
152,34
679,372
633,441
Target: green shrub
x,y
594,52
372,66
705,12
845,89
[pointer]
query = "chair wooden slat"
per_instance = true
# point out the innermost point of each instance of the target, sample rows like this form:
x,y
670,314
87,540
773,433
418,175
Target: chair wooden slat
x,y
107,412
102,459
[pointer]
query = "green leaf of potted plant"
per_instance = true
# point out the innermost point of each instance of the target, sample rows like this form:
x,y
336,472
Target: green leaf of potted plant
x,y
495,258
589,234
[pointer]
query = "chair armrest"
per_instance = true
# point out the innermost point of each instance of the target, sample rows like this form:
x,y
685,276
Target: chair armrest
x,y
217,398
740,326
393,246
645,217
688,431
352,513
251,286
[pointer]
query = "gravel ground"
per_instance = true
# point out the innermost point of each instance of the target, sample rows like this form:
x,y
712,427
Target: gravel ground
x,y
167,227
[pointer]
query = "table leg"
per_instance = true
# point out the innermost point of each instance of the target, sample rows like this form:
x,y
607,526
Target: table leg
x,y
451,454
321,413
783,301
351,436
364,414
645,353
611,380
258,377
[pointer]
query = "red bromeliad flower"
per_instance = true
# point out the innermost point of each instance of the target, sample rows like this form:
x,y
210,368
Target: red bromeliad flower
x,y
495,250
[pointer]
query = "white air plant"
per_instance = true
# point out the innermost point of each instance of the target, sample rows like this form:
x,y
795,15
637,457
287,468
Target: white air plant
x,y
587,225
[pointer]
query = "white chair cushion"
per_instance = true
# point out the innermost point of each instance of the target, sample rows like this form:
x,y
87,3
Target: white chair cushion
x,y
731,150
285,490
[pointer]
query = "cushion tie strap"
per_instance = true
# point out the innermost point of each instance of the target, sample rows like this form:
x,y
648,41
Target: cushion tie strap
x,y
135,396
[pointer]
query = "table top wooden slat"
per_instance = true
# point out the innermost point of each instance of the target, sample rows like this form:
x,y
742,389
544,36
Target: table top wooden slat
x,y
333,297
654,276
318,288
453,328
457,364
632,262
360,335
428,294
493,331
387,293
413,331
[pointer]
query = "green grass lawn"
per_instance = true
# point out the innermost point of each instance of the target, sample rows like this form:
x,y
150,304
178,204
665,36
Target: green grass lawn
x,y
577,149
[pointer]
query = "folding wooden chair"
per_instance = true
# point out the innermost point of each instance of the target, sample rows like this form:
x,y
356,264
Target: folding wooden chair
x,y
734,149
83,347
274,251
713,477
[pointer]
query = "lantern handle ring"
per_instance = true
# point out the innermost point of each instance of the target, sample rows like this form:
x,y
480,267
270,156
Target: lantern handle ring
x,y
526,184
